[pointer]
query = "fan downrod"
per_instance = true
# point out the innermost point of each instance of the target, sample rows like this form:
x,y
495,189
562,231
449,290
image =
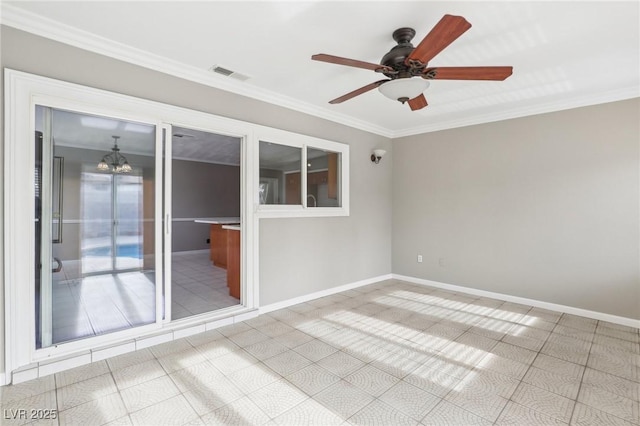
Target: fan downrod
x,y
404,35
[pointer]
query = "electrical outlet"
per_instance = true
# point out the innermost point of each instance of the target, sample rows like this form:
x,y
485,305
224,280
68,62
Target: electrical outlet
x,y
441,261
419,258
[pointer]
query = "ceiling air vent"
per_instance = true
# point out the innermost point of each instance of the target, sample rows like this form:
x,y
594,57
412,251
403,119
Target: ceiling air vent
x,y
229,73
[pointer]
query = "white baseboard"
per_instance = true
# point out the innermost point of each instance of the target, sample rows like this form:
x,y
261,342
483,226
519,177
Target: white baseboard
x,y
630,322
328,292
3,379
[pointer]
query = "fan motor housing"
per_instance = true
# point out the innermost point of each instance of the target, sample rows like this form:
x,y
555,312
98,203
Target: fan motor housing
x,y
396,57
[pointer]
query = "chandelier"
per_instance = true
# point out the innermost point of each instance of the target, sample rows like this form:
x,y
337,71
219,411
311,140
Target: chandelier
x,y
114,161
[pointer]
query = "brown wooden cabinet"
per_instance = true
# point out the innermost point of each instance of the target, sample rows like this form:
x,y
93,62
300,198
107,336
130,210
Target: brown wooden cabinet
x,y
218,245
225,253
292,188
233,263
317,178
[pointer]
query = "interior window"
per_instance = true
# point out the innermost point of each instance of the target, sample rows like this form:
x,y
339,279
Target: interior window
x,y
301,176
280,178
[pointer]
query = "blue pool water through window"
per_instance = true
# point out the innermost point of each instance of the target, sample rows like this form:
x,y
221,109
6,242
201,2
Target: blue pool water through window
x,y
122,250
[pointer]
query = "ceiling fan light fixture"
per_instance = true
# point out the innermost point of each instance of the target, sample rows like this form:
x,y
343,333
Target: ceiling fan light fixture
x,y
403,89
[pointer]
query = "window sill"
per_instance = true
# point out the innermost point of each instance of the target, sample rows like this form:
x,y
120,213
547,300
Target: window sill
x,y
299,211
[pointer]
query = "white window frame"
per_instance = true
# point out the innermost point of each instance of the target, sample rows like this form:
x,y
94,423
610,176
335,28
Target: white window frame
x,y
296,140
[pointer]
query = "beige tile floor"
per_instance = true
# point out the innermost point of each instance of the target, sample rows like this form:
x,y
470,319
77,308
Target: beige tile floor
x,y
391,353
86,306
197,285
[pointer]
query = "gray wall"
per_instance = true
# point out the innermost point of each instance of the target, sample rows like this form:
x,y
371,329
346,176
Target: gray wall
x,y
312,254
327,252
544,207
201,190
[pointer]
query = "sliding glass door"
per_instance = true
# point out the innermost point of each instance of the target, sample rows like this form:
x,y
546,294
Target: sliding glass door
x,y
105,247
97,208
95,226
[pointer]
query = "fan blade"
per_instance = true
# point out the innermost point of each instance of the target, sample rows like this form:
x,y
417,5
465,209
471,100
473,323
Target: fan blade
x,y
350,62
468,73
357,92
448,29
418,102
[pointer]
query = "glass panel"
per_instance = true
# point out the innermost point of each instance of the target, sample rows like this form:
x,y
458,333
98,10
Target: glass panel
x,y
96,215
205,255
129,220
323,178
97,275
280,174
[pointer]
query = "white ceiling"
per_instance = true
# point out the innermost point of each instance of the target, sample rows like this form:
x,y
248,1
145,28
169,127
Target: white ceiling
x,y
76,130
564,54
196,145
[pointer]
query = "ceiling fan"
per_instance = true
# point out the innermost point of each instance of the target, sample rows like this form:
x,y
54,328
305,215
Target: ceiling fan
x,y
403,62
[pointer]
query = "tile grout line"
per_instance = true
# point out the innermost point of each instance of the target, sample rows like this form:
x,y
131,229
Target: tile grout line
x,y
485,316
401,341
528,368
55,394
118,391
586,363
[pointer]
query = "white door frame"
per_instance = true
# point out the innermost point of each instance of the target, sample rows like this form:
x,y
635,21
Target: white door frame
x,y
22,92
46,289
165,161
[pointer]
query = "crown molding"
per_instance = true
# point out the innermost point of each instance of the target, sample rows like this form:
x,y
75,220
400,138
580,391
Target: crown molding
x,y
23,20
564,104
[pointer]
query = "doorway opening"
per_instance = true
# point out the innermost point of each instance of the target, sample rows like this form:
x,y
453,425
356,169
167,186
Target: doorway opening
x,y
205,243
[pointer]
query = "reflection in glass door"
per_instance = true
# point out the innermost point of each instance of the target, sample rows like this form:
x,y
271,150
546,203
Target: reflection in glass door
x,y
127,207
96,255
111,232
